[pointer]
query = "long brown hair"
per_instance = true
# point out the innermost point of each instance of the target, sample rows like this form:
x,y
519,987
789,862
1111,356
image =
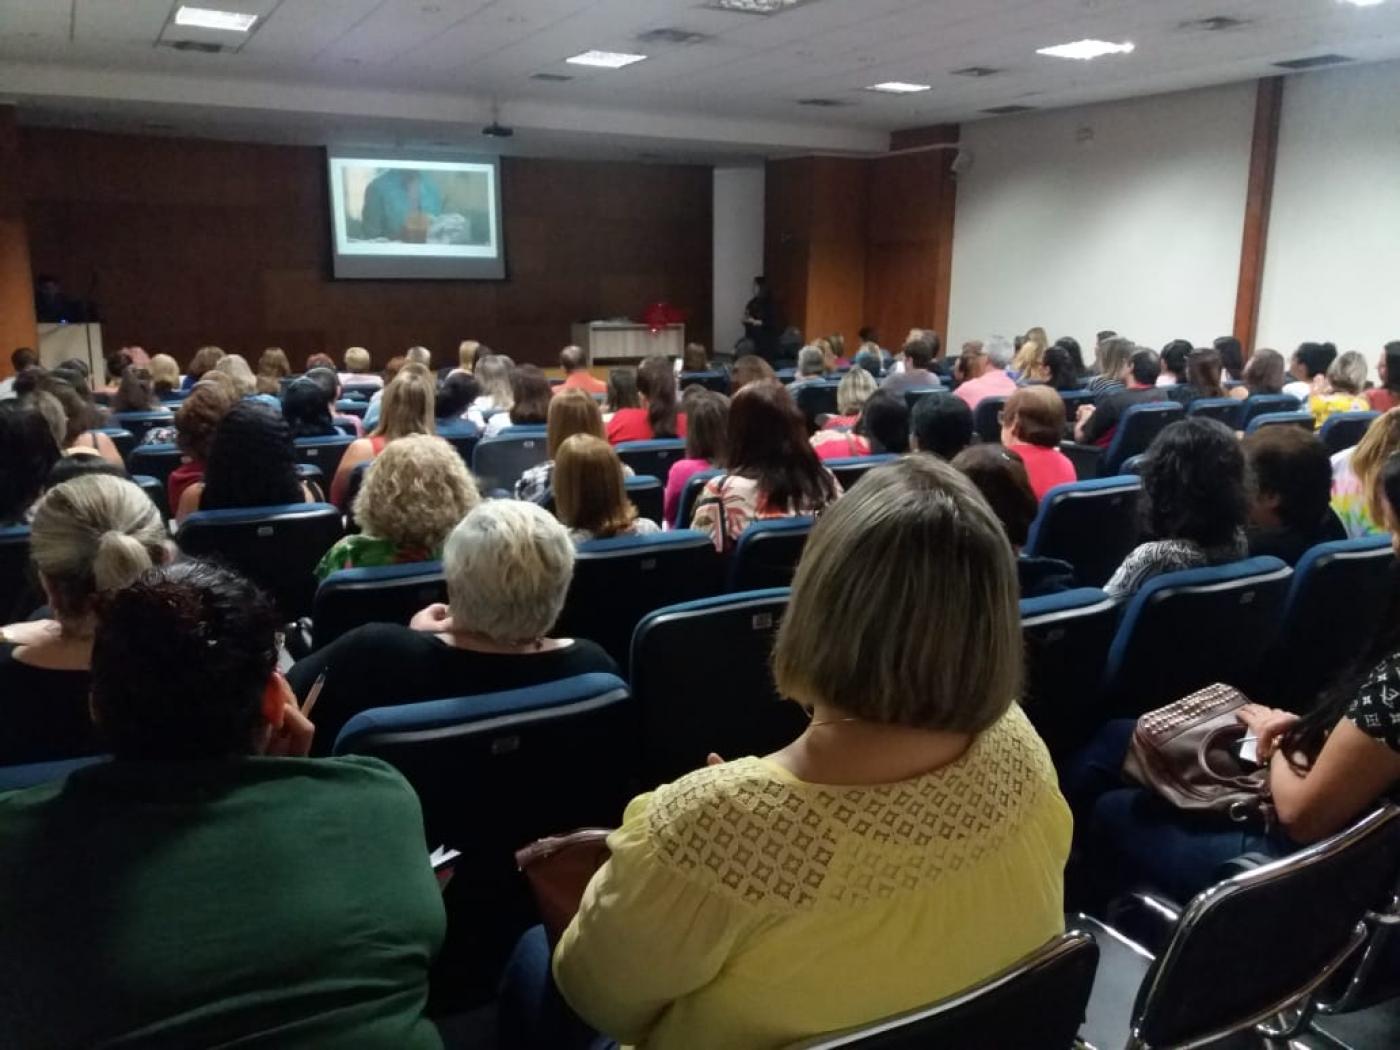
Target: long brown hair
x,y
656,381
768,443
407,404
529,391
589,490
572,412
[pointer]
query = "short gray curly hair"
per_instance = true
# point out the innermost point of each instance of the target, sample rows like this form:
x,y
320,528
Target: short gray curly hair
x,y
508,566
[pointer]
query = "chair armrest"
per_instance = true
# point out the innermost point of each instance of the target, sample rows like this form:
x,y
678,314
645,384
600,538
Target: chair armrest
x,y
1241,864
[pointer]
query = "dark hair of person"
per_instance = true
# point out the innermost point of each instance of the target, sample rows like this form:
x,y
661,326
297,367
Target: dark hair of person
x,y
1231,352
1076,354
706,426
656,381
1295,466
530,392
320,360
1145,366
884,419
941,425
326,379
136,392
921,352
1317,358
1193,481
180,660
622,389
767,441
197,419
1203,373
1000,475
868,334
1064,373
456,395
117,363
82,415
870,361
1107,333
1264,374
69,467
307,410
1392,366
251,462
23,357
1174,356
749,368
695,359
28,453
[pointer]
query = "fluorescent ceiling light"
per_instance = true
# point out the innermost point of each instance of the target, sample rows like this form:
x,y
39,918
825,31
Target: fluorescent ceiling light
x,y
755,7
209,18
1363,3
1086,49
898,87
605,59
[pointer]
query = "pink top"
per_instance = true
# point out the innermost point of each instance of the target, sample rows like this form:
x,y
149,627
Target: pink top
x,y
838,444
994,383
682,470
1046,467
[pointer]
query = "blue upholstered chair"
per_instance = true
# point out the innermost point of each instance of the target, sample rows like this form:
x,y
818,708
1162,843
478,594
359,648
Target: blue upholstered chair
x,y
1093,525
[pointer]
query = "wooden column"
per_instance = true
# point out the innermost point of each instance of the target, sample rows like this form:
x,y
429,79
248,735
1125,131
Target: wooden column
x,y
16,278
1268,108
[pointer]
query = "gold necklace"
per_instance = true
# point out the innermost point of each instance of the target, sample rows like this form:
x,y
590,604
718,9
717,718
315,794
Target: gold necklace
x,y
831,722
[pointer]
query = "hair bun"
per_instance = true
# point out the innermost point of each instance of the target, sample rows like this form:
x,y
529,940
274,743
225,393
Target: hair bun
x,y
119,559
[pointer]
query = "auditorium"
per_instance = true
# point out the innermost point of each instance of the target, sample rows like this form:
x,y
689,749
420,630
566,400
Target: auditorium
x,y
700,524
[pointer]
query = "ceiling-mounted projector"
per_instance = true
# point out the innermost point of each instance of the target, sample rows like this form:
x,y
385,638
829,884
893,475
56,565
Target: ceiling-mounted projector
x,y
497,130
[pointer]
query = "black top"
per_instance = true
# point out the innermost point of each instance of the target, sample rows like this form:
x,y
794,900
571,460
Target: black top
x,y
1109,409
1041,576
1376,707
1291,544
45,712
383,665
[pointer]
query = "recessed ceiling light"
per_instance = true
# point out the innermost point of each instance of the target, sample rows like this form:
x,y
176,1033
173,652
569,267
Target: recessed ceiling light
x,y
605,59
1362,3
1086,49
898,87
209,18
755,7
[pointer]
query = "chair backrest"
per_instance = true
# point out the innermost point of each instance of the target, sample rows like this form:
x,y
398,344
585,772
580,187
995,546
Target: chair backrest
x,y
986,419
1066,640
1138,426
1226,410
518,430
716,381
690,495
19,591
849,471
1263,404
1281,419
1073,399
359,391
1133,465
767,552
618,581
687,708
15,778
647,494
275,547
913,397
323,452
1093,525
156,461
1344,429
652,458
817,399
1252,945
349,406
154,488
1037,1003
465,444
140,422
1338,597
351,598
498,462
1185,630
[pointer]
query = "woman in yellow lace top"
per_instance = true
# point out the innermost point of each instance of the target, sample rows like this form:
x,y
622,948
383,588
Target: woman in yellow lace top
x,y
910,843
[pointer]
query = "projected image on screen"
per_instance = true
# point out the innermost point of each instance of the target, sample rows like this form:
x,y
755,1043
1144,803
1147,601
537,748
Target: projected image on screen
x,y
415,218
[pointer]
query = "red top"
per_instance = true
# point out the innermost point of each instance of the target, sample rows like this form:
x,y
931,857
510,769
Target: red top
x,y
181,478
1046,467
581,380
1382,400
631,424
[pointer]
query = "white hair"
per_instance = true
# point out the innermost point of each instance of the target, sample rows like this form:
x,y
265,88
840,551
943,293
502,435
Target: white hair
x,y
999,350
810,361
508,565
419,355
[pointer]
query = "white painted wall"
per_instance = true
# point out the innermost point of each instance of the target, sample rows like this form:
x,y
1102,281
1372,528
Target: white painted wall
x,y
1332,267
738,248
1127,216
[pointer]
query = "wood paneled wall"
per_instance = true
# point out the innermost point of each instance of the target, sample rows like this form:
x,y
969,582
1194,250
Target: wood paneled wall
x,y
16,279
193,241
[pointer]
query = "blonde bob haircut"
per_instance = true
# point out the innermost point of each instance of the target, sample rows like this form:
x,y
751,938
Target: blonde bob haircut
x,y
407,404
914,545
415,493
1378,444
589,490
508,566
236,367
854,391
572,412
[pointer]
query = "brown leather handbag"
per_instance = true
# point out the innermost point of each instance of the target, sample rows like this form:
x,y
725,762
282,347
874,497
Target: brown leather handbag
x,y
558,869
1188,753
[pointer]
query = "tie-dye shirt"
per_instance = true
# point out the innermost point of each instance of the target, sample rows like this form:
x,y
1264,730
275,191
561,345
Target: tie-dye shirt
x,y
1349,498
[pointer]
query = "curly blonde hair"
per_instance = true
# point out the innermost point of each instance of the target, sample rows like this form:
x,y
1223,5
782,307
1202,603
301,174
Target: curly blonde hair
x,y
415,493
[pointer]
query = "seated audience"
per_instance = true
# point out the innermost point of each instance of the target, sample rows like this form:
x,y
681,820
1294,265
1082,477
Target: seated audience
x,y
915,375
407,407
907,655
322,360
1231,352
622,392
811,368
1308,367
869,361
467,351
1061,370
69,467
1028,364
357,369
1356,494
852,393
235,366
1032,424
179,834
1097,423
89,536
196,421
1001,477
493,375
204,360
28,451
116,366
882,428
329,382
658,415
529,401
574,363
21,360
572,412
749,368
273,367
413,495
165,375
135,392
1195,504
1113,356
306,410
250,465
1264,374
1071,346
452,409
772,472
81,414
1174,357
707,421
834,352
695,358
1290,508
508,564
1203,371
982,372
590,495
1327,768
940,426
1343,390
1386,396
